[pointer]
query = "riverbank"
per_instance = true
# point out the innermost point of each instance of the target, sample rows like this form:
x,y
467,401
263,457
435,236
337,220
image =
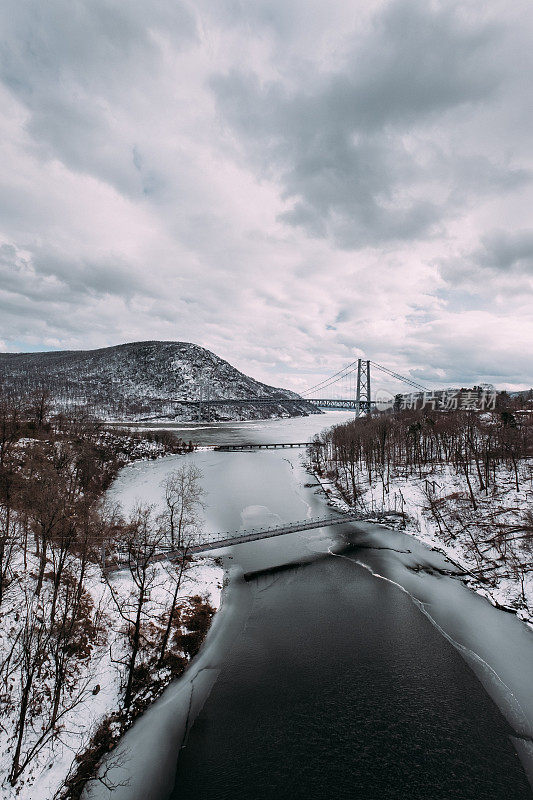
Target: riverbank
x,y
104,713
63,638
68,754
433,509
199,581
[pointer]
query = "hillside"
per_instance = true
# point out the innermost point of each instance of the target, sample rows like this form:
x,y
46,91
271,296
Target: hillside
x,y
138,380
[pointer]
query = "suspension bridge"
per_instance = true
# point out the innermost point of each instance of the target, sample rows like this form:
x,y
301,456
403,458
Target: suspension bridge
x,y
216,541
348,389
219,540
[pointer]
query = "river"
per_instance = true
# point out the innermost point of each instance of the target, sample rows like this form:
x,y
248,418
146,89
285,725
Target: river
x,y
344,662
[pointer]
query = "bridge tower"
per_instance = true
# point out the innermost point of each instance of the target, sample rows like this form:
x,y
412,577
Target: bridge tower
x,y
362,395
200,399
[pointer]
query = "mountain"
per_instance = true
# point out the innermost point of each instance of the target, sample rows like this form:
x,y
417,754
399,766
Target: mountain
x,y
138,380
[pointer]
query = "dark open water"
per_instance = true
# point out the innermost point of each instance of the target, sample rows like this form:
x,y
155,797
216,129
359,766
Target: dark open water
x,y
338,687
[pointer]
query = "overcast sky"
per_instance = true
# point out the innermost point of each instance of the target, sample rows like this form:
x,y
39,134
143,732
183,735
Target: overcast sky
x,y
290,183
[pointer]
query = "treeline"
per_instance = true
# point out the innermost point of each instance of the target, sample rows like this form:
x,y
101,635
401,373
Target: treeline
x,y
79,389
74,383
408,442
59,606
473,477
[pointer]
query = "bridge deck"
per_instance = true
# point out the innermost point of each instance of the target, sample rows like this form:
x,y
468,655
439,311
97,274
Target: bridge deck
x,y
230,401
327,402
226,448
216,541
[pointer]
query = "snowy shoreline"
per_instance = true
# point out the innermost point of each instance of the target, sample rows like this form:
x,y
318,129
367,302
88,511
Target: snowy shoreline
x,y
415,523
100,681
103,687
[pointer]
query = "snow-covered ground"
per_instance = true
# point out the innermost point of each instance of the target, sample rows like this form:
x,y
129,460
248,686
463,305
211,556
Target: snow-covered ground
x,y
434,508
99,680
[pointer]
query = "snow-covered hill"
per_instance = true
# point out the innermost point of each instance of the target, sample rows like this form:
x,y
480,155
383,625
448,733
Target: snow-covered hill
x,y
138,381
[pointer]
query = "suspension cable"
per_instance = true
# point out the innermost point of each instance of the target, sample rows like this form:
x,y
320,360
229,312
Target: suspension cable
x,y
399,377
329,379
343,373
332,379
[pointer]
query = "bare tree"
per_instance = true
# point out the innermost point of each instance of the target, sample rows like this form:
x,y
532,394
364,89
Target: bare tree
x,y
142,540
32,647
183,502
10,537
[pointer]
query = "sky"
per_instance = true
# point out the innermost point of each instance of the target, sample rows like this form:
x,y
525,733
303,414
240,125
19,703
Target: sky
x,y
292,184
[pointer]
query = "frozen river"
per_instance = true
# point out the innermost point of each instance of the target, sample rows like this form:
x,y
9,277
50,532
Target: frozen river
x,y
343,663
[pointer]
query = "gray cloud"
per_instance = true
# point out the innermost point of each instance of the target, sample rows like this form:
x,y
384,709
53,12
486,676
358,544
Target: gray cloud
x,y
291,183
70,64
49,276
507,250
499,267
338,141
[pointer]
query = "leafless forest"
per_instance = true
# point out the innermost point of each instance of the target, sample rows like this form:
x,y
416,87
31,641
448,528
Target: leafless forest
x,y
470,473
61,607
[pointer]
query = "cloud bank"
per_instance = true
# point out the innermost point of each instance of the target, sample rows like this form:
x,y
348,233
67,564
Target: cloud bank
x,y
291,184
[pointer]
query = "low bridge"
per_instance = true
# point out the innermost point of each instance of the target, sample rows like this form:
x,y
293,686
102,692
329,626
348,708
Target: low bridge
x,y
216,540
232,401
227,448
344,404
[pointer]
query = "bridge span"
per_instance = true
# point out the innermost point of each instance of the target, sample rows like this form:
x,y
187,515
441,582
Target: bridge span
x,y
351,404
214,541
229,448
351,382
